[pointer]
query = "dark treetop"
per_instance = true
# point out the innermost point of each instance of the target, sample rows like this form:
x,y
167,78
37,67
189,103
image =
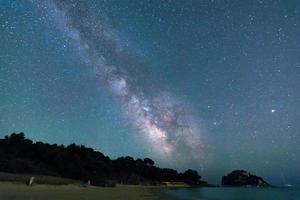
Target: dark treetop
x,y
21,155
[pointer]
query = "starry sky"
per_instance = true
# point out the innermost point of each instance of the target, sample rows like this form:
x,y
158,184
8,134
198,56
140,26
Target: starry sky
x,y
209,85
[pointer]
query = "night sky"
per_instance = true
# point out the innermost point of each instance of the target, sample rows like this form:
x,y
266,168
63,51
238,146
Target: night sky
x,y
209,85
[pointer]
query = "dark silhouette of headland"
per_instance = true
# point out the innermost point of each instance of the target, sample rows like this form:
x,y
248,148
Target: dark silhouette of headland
x,y
21,155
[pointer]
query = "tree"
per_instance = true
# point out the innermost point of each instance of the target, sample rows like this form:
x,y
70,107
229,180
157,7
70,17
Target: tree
x,y
191,177
21,155
148,162
16,138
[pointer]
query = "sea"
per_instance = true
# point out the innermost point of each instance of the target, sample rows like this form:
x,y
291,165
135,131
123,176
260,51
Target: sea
x,y
234,193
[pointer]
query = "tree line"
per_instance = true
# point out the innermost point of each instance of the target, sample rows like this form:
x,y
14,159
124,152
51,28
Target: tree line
x,y
19,154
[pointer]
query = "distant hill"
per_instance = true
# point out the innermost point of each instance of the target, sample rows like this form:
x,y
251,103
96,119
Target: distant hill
x,y
20,155
243,178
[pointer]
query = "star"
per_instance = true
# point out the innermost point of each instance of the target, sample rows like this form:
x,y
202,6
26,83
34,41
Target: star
x,y
273,110
171,79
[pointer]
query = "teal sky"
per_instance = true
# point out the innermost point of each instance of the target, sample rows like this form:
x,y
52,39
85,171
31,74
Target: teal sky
x,y
209,85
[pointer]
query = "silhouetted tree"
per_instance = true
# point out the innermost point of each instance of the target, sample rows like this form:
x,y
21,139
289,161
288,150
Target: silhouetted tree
x,y
191,177
148,162
21,155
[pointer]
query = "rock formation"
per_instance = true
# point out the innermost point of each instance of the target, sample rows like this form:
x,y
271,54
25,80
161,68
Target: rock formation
x,y
243,178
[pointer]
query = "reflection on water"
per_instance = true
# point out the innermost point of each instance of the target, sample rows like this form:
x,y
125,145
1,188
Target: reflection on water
x,y
228,193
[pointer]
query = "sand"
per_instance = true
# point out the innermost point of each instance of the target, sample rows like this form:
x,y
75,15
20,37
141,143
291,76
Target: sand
x,y
15,191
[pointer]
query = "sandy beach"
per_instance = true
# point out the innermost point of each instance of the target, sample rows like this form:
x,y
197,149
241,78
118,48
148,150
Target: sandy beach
x,y
16,191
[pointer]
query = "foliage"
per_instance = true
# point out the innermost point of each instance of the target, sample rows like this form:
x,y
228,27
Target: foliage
x,y
21,155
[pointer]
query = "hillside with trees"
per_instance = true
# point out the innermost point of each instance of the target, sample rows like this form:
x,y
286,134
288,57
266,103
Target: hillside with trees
x,y
21,155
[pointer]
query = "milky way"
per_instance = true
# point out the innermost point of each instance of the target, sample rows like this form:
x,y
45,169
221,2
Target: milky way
x,y
167,125
207,85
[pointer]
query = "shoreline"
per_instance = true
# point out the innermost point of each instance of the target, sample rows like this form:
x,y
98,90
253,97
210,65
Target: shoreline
x,y
163,195
21,191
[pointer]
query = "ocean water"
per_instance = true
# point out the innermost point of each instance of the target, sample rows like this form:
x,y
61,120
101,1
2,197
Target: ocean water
x,y
230,193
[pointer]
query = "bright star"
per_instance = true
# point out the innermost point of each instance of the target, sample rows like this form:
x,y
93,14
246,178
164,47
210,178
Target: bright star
x,y
273,110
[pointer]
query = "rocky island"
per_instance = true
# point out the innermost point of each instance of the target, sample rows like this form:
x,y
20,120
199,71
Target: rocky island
x,y
243,178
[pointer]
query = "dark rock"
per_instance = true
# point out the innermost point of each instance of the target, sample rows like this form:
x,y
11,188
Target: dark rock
x,y
243,178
